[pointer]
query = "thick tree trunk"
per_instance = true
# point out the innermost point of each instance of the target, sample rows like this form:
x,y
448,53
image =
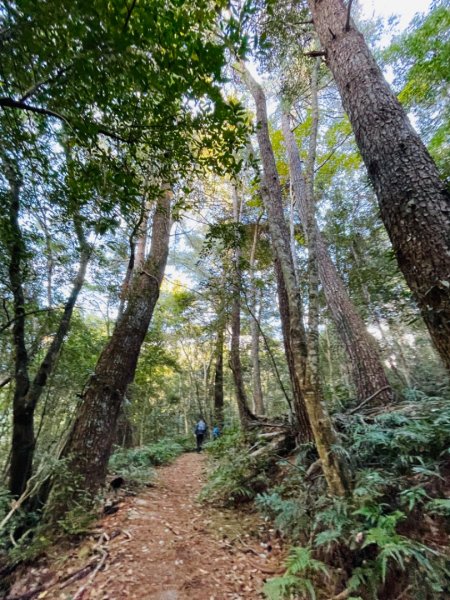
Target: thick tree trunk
x,y
245,415
89,445
414,205
367,370
324,435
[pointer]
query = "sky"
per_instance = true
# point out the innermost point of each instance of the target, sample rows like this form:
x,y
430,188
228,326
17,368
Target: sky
x,y
404,9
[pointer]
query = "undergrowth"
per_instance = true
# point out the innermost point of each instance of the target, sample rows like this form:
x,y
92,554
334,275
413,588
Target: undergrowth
x,y
389,538
135,465
237,476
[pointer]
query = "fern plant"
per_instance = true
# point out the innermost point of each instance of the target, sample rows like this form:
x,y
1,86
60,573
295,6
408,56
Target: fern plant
x,y
301,568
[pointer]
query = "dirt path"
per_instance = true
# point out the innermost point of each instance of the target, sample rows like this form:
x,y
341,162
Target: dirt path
x,y
164,545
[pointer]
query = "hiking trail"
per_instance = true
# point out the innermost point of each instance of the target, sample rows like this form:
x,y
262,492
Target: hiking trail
x,y
163,545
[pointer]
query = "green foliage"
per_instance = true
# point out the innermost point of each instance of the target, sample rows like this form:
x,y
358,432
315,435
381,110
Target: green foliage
x,y
301,568
135,464
398,461
238,477
289,515
420,58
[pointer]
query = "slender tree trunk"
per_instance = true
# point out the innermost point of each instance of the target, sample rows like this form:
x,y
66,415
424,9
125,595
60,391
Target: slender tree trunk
x,y
258,400
324,435
367,370
137,242
245,415
23,436
89,445
292,336
218,377
28,392
309,221
305,433
414,204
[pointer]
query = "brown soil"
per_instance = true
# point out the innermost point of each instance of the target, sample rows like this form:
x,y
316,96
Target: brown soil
x,y
164,545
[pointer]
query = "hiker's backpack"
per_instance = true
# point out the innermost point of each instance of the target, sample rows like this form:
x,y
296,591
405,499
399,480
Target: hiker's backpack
x,y
201,427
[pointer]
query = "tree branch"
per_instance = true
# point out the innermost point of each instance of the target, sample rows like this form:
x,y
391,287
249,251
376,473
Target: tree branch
x,y
6,102
349,8
130,10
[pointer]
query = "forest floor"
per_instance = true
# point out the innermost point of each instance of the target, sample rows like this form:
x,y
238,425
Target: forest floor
x,y
162,545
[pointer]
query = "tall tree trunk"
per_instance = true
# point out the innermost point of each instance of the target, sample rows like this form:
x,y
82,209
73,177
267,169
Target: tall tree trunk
x,y
309,221
258,400
23,436
218,376
305,433
367,370
323,432
89,445
414,204
245,415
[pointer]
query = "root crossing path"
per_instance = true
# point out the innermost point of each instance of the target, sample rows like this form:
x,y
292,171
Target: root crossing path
x,y
164,545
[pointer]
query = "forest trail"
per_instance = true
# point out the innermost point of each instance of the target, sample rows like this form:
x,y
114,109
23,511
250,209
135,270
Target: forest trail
x,y
164,545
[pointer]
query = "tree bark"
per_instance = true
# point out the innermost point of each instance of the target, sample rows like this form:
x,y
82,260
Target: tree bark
x,y
324,435
414,204
258,400
303,426
245,415
23,437
218,376
89,444
367,370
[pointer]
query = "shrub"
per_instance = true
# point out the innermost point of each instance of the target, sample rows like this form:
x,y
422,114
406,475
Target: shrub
x,y
135,464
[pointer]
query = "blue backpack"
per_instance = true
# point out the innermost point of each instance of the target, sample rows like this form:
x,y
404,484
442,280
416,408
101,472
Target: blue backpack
x,y
200,427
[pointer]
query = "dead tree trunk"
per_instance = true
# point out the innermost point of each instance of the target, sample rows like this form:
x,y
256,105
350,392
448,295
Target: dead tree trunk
x,y
89,443
323,432
414,204
367,370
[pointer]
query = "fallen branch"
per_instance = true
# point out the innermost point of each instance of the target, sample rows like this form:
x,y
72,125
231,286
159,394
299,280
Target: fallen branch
x,y
84,587
29,595
80,574
367,400
247,548
173,530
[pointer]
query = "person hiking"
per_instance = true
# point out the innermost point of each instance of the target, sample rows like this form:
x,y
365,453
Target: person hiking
x,y
216,432
200,432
